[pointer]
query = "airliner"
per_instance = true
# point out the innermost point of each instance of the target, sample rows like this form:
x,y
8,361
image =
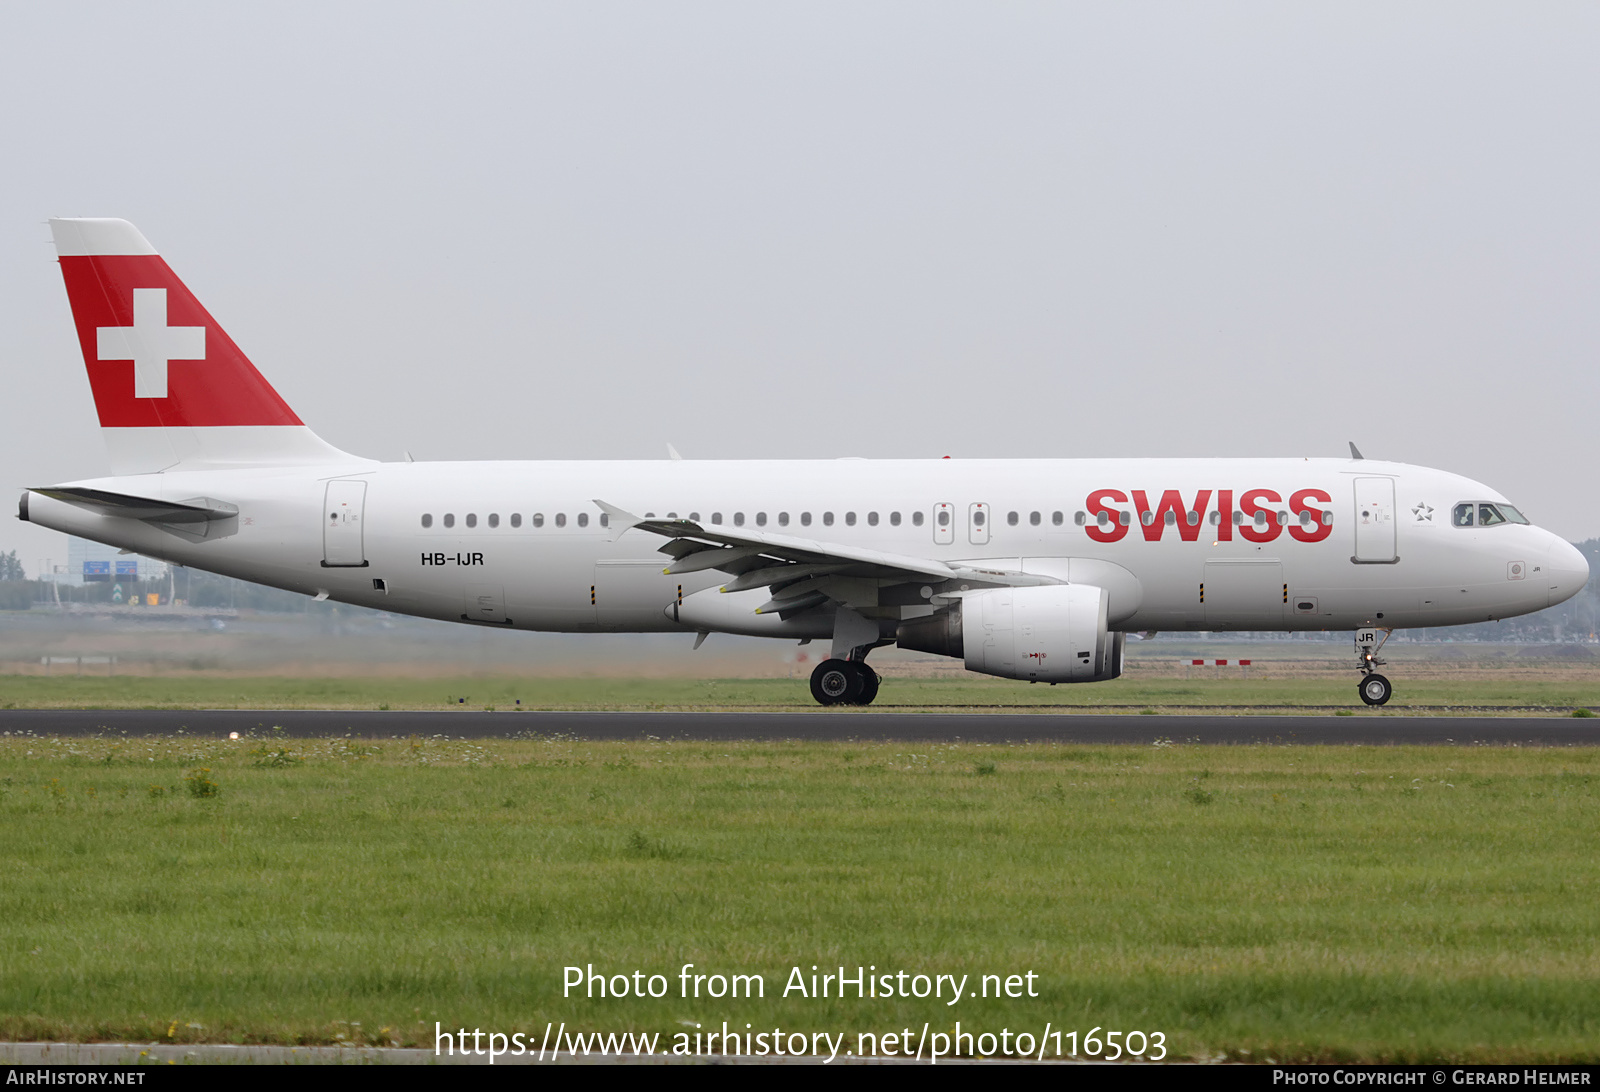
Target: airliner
x,y
1031,570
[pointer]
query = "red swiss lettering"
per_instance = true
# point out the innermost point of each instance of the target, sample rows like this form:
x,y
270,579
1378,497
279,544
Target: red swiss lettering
x,y
1249,505
1172,501
1099,503
1301,502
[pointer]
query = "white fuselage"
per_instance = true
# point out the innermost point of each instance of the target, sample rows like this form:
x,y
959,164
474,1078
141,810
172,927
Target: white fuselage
x,y
521,545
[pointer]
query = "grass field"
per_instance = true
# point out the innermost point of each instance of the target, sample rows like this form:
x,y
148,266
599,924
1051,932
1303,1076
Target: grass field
x,y
1557,691
1249,902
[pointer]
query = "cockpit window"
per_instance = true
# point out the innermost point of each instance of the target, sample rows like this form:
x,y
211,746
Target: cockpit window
x,y
1484,514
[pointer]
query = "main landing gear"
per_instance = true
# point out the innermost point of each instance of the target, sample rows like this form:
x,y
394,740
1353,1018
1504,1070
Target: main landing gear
x,y
844,682
1373,688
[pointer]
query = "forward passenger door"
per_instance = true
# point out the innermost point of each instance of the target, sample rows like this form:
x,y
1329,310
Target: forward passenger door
x,y
1375,522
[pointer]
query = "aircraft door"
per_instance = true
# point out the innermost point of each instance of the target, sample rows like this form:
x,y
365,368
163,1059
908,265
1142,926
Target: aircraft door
x,y
343,509
634,595
978,524
1374,521
944,524
1244,594
485,603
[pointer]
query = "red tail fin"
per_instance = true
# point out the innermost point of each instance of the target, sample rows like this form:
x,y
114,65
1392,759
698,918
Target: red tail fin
x,y
171,387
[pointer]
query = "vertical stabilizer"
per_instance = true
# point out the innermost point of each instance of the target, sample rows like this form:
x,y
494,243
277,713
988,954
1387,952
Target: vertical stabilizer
x,y
172,389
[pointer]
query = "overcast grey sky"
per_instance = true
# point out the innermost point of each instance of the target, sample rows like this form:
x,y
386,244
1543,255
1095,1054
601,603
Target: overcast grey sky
x,y
767,230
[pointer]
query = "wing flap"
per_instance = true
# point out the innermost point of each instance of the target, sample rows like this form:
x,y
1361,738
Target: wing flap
x,y
742,552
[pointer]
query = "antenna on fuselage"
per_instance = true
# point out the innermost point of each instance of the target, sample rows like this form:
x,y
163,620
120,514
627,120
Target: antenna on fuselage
x,y
672,453
1355,452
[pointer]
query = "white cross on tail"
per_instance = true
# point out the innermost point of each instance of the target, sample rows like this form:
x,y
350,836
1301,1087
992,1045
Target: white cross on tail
x,y
150,343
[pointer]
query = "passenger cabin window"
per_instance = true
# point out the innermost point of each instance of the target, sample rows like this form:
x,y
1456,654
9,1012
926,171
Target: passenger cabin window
x,y
692,515
894,519
872,519
516,519
605,520
561,519
449,519
805,519
427,519
916,519
1058,518
850,519
783,519
472,519
1011,519
494,519
1080,518
537,519
738,519
827,519
716,517
1034,518
761,519
583,519
944,517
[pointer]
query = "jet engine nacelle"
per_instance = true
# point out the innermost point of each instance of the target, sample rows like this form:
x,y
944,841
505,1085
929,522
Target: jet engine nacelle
x,y
1055,633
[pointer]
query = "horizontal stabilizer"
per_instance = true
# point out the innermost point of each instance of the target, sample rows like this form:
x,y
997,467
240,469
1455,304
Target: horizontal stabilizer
x,y
192,510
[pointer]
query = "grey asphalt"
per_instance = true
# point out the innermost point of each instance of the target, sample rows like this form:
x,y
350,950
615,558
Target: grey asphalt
x,y
830,724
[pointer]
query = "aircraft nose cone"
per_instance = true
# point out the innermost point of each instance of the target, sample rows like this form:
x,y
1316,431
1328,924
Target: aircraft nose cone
x,y
1566,570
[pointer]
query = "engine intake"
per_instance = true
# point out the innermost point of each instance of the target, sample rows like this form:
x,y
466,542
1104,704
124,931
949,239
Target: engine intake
x,y
1052,634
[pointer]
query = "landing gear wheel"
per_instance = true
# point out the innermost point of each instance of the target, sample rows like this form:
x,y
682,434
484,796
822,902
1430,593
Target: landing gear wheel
x,y
837,682
1374,689
869,683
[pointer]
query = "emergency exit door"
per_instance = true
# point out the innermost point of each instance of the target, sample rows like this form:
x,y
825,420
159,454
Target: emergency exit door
x,y
342,513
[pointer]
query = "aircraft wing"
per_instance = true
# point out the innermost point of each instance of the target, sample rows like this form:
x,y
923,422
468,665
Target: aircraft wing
x,y
799,570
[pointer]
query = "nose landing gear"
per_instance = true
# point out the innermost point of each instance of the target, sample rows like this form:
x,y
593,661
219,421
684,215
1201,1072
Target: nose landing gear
x,y
844,682
1373,688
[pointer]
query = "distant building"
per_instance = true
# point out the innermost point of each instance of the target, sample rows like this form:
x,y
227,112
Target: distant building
x,y
91,562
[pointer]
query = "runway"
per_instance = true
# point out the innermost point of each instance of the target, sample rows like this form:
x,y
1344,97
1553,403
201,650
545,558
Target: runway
x,y
830,724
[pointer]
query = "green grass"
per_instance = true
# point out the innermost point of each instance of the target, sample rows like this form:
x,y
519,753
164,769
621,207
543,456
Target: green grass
x,y
1296,903
1560,692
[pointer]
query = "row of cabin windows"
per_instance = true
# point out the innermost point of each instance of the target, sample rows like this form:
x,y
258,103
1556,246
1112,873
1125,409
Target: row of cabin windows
x,y
582,518
1307,518
1103,519
515,519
